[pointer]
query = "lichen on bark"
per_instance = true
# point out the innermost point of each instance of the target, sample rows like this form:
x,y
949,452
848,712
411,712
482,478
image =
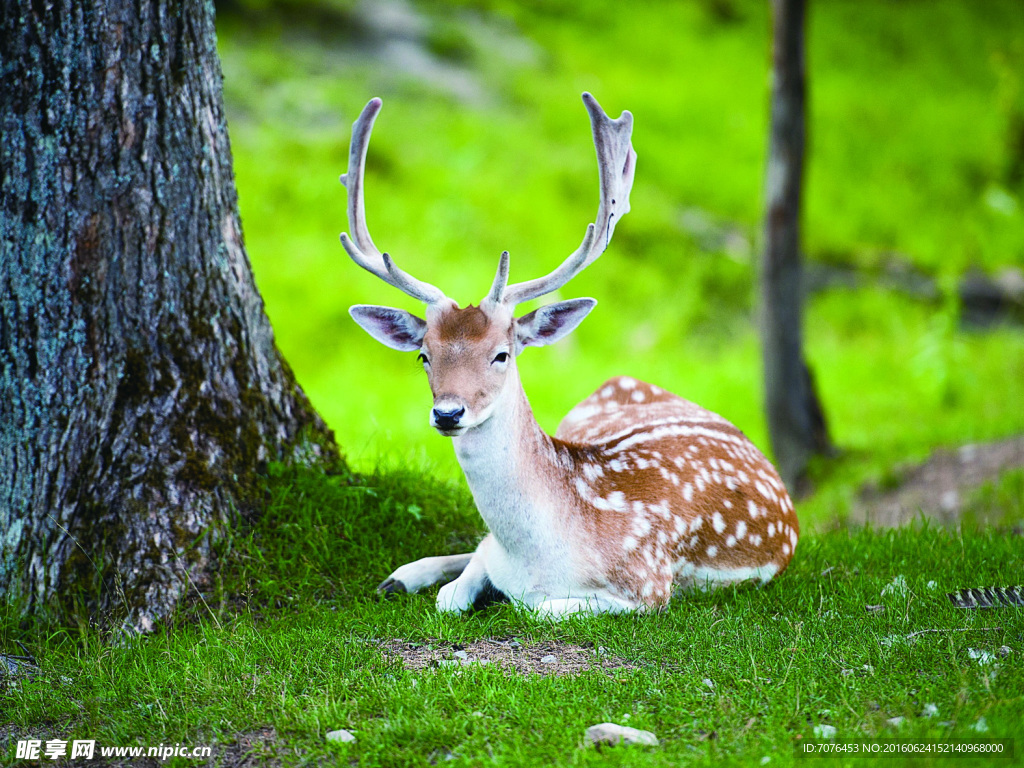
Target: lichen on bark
x,y
141,391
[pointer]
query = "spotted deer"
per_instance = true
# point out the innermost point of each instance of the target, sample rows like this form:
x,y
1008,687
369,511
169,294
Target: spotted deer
x,y
639,490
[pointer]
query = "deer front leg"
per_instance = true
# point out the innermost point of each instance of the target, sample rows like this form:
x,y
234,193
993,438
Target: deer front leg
x,y
460,595
412,577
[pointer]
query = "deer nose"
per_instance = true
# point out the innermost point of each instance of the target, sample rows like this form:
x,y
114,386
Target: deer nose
x,y
448,419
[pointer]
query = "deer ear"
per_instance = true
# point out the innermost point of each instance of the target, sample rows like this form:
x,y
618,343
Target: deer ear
x,y
550,323
392,327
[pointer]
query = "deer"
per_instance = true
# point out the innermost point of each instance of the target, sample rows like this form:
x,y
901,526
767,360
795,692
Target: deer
x,y
639,494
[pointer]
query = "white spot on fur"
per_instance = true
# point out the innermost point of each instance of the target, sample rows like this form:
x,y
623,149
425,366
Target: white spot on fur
x,y
688,492
629,543
752,509
617,501
741,529
696,523
730,541
638,396
712,551
607,392
718,522
627,383
641,525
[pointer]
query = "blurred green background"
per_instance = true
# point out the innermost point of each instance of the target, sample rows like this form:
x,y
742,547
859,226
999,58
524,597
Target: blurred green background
x,y
916,153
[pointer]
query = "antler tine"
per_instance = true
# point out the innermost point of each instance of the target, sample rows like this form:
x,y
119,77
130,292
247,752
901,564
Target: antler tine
x,y
616,162
500,280
360,246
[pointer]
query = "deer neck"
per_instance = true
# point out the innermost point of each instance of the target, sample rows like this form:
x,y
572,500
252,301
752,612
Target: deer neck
x,y
510,464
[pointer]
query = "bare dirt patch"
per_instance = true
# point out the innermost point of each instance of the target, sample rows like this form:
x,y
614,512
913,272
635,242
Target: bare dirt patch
x,y
546,658
939,487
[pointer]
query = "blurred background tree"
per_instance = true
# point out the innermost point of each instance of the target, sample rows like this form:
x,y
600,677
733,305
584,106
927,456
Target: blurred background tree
x,y
796,420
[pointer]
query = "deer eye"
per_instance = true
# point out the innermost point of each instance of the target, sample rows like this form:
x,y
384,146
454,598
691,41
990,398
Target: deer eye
x,y
423,358
501,357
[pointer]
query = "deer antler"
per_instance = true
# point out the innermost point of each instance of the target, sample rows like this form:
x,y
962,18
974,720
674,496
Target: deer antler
x,y
616,162
360,246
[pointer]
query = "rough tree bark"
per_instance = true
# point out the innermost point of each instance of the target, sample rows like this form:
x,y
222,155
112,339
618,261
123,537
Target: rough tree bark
x,y
796,421
141,389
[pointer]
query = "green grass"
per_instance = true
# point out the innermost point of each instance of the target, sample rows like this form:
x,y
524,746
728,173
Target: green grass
x,y
293,648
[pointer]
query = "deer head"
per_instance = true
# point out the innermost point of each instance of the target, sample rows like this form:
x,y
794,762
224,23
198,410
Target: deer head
x,y
470,353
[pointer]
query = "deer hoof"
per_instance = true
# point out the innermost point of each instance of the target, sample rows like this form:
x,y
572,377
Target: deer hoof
x,y
391,587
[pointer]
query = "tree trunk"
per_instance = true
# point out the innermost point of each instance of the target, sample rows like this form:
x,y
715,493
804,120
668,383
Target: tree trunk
x,y
141,391
796,421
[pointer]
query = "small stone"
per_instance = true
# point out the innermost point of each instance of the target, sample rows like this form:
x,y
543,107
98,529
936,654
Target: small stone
x,y
897,587
612,735
341,735
824,731
460,655
930,710
896,722
980,655
980,727
549,659
710,684
1004,651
